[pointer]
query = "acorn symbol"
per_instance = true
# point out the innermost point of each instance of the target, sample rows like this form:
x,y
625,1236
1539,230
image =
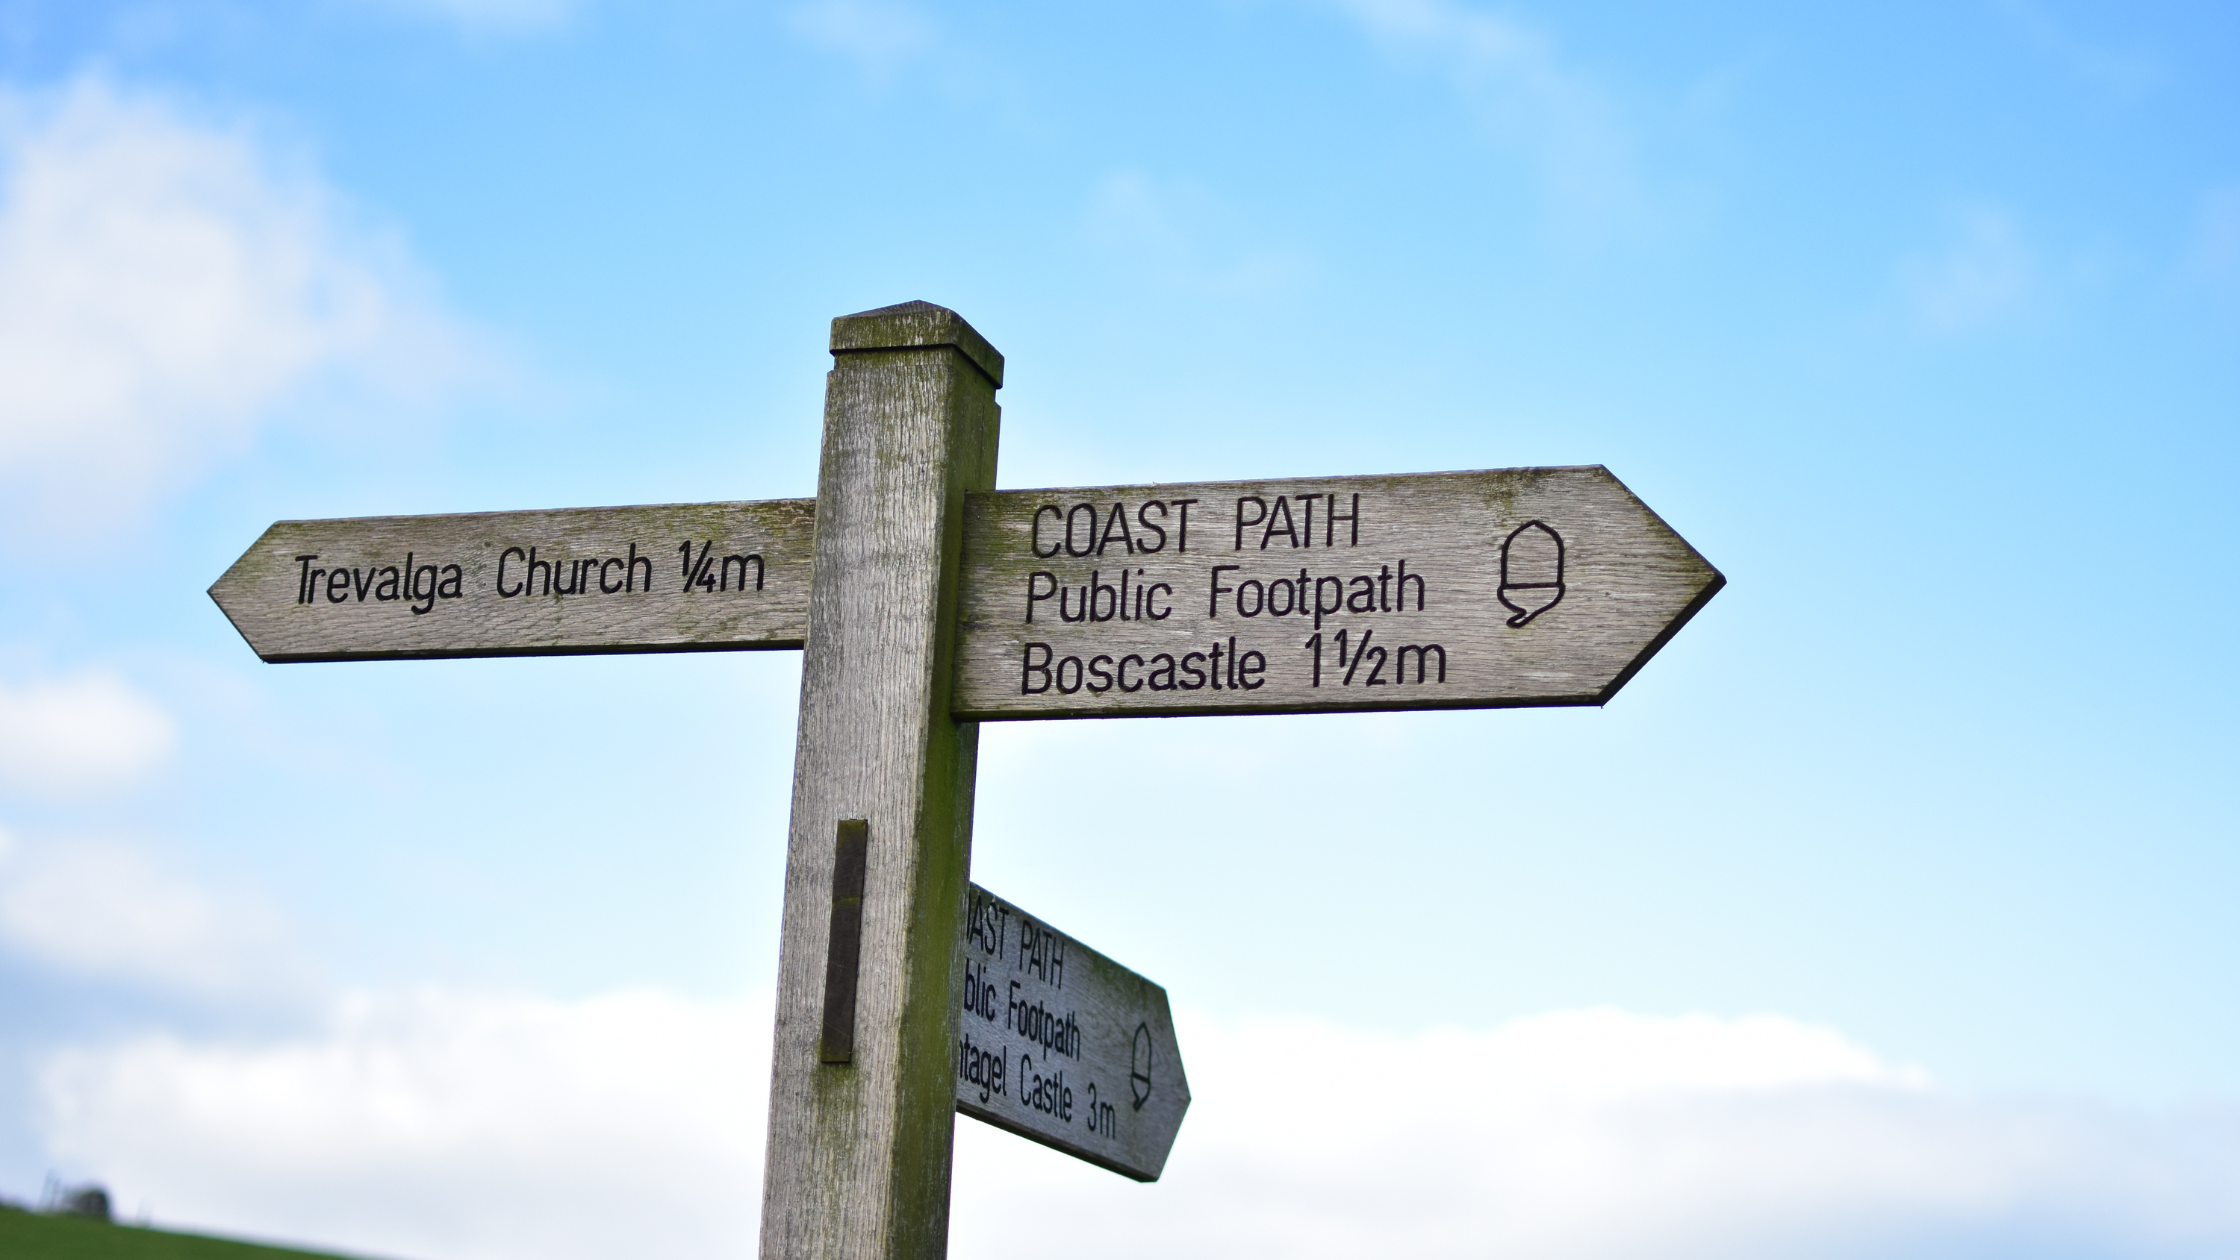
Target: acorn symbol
x,y
1531,572
1139,1066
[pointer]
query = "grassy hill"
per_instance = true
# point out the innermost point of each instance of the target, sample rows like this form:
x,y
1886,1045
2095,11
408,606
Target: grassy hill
x,y
29,1236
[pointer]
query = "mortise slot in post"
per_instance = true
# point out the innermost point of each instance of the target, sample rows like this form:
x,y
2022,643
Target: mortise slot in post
x,y
844,945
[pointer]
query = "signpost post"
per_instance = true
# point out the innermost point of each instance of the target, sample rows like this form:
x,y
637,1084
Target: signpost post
x,y
862,1101
926,602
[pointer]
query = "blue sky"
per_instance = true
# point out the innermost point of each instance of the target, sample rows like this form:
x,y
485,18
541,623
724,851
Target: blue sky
x,y
1921,322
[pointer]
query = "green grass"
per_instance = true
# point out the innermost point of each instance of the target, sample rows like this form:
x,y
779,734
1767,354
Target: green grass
x,y
29,1236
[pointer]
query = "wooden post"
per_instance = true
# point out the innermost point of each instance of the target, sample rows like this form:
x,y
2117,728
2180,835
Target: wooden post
x,y
858,1157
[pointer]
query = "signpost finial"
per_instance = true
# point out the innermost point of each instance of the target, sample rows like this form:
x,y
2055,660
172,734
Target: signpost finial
x,y
912,326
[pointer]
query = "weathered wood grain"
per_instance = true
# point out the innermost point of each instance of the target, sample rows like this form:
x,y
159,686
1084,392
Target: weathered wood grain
x,y
1062,1045
1406,605
549,583
858,1156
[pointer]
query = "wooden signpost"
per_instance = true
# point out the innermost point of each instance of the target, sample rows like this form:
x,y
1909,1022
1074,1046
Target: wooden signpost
x,y
1527,586
925,602
686,577
1063,1045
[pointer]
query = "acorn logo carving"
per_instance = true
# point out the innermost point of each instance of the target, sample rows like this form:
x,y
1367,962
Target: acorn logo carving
x,y
1139,1067
1531,571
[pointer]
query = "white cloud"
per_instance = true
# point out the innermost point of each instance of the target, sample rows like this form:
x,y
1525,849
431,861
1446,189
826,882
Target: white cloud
x,y
111,910
68,736
1179,235
488,15
457,1126
877,34
166,290
1982,277
2216,237
444,1126
1528,96
1599,1135
2112,70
